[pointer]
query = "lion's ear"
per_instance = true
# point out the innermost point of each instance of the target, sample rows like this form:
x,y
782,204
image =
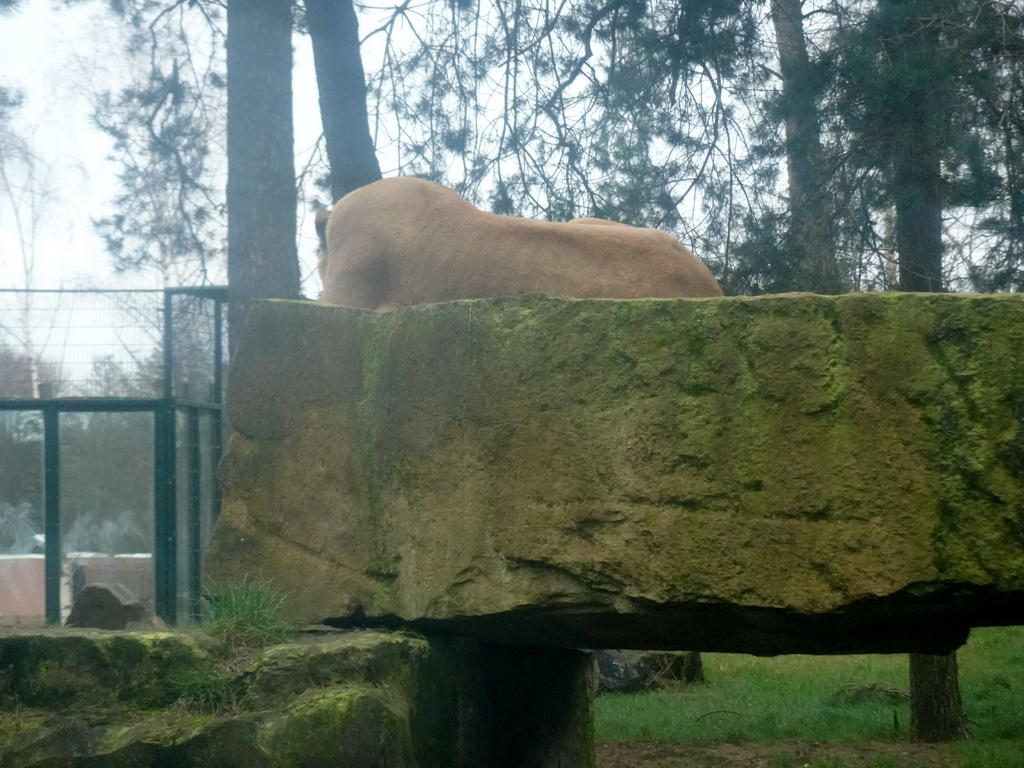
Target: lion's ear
x,y
321,227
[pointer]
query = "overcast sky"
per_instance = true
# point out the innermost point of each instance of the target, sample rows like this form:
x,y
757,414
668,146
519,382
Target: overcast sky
x,y
55,56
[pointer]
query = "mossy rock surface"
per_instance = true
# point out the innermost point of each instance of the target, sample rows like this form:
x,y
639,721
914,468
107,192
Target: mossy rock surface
x,y
367,727
184,741
780,474
75,668
95,699
287,670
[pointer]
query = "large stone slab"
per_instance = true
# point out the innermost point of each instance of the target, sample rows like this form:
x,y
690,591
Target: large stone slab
x,y
778,474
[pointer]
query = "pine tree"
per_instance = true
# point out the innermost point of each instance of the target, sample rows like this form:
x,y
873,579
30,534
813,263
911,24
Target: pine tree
x,y
261,190
813,251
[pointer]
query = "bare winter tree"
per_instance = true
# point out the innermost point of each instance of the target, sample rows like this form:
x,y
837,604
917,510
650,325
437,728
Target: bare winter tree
x,y
27,201
167,126
341,83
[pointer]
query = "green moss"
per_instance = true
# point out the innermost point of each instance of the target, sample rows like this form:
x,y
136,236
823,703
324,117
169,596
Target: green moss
x,y
355,681
40,670
75,669
19,728
285,671
148,663
205,687
368,728
802,453
158,729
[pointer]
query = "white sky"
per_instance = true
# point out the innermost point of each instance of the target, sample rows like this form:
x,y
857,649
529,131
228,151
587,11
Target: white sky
x,y
55,55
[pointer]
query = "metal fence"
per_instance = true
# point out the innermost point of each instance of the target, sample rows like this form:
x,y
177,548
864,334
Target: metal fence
x,y
110,432
111,343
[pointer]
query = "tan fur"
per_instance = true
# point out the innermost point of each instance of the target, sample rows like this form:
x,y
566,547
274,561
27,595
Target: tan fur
x,y
405,241
601,222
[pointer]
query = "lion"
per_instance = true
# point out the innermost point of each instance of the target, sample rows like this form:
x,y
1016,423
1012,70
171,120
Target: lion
x,y
403,241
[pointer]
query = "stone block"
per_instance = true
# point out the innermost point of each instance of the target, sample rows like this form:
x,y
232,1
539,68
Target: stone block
x,y
791,473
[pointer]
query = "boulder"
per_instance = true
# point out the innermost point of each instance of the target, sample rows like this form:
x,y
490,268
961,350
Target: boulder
x,y
657,668
81,669
95,699
633,671
112,606
617,673
778,474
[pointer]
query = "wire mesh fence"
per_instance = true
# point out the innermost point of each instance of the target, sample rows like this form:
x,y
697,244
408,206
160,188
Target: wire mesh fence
x,y
76,343
129,492
198,326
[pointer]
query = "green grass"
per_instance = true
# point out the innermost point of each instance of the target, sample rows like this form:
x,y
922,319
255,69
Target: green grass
x,y
247,615
204,688
794,697
976,753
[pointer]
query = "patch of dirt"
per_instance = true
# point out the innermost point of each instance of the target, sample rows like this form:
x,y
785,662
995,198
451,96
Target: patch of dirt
x,y
863,754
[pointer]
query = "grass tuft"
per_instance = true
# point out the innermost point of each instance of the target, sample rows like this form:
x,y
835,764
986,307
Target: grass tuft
x,y
204,689
247,615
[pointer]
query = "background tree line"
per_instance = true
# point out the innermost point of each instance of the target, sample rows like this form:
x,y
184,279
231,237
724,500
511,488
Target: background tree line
x,y
831,145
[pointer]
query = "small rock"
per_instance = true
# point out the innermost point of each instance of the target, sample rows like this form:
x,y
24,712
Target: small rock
x,y
659,667
616,673
112,606
857,693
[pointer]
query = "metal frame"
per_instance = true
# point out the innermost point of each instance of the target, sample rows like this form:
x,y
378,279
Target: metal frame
x,y
165,490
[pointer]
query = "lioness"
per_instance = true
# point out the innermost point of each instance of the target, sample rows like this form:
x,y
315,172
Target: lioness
x,y
404,241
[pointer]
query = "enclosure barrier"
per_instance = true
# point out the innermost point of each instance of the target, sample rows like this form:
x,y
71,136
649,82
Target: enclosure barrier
x,y
110,432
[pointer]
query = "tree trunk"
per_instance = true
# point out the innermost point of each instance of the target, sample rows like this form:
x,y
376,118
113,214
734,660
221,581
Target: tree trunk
x,y
915,114
917,190
693,667
261,191
341,82
936,711
811,240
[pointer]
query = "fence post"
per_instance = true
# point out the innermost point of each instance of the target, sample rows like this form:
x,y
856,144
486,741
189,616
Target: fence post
x,y
51,511
165,468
